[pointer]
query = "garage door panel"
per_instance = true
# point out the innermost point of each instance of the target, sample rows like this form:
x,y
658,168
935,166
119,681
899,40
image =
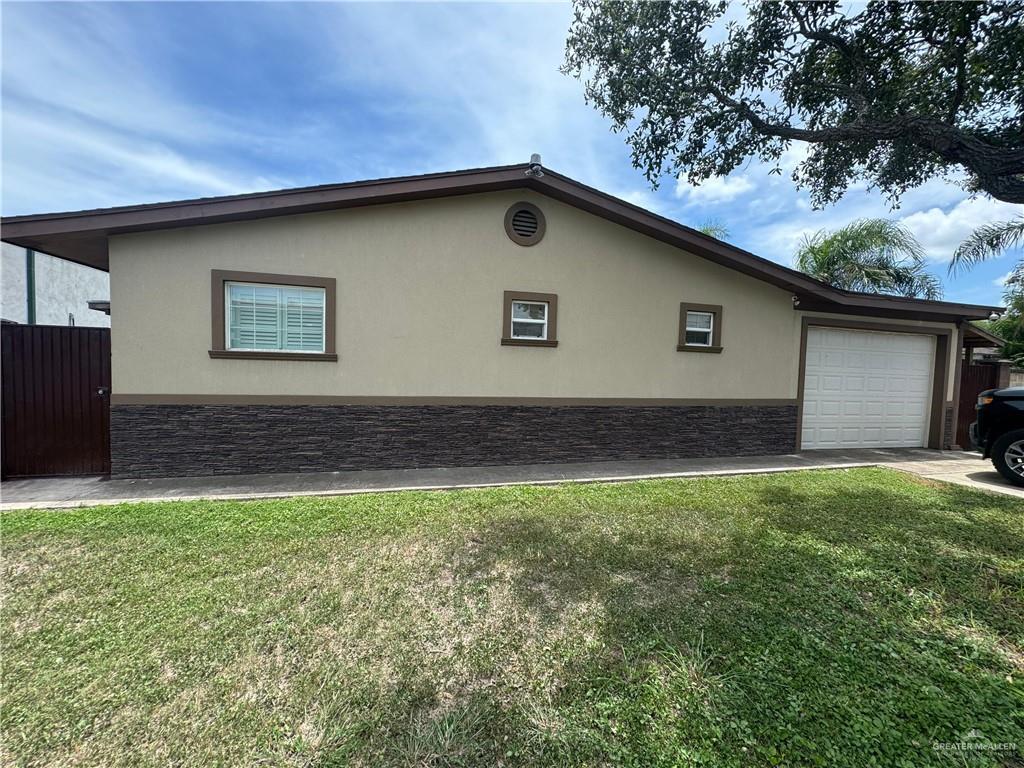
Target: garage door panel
x,y
831,383
875,384
895,434
830,408
919,386
828,434
895,410
896,384
866,388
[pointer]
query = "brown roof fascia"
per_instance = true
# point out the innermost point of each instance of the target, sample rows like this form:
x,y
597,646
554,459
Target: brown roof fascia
x,y
81,236
636,218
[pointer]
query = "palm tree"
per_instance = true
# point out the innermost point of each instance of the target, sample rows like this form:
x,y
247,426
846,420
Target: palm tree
x,y
714,228
874,255
988,242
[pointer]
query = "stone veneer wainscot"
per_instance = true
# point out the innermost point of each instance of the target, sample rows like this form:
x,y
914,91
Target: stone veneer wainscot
x,y
189,440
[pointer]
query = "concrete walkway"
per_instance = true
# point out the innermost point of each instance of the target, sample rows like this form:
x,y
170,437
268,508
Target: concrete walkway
x,y
955,467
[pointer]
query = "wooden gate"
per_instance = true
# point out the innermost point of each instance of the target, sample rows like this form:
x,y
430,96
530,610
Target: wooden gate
x,y
56,400
974,378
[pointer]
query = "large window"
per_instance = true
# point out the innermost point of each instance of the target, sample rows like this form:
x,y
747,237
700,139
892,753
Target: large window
x,y
529,319
261,316
700,328
280,318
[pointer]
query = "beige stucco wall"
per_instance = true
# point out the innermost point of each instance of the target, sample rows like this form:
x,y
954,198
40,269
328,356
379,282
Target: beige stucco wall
x,y
419,308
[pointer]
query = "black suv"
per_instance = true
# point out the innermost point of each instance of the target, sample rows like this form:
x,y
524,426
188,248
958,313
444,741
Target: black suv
x,y
999,431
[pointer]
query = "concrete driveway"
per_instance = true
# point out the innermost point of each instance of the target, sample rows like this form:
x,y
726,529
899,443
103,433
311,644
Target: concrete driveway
x,y
962,469
950,466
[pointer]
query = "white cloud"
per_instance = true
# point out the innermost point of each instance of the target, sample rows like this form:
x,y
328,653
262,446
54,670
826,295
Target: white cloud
x,y
87,60
1000,282
717,189
644,198
91,119
99,109
940,232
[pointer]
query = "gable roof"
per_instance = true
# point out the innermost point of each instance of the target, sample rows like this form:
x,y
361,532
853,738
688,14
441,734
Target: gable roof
x,y
81,236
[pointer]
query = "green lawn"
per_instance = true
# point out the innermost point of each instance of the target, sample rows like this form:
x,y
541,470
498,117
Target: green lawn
x,y
816,618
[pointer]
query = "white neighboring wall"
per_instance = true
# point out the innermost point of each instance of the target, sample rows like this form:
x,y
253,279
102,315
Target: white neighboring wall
x,y
62,288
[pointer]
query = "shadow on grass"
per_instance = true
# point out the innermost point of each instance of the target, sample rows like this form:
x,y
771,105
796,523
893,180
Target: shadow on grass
x,y
850,626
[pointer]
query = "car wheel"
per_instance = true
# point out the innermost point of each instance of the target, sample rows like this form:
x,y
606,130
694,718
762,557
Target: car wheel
x,y
1008,456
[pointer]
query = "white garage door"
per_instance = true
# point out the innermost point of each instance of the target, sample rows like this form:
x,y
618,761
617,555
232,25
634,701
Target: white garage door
x,y
864,389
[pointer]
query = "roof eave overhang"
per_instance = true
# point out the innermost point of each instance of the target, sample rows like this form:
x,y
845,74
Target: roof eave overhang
x,y
976,336
82,236
901,309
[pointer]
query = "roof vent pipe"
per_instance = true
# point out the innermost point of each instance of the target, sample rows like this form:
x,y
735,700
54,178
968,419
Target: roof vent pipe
x,y
535,169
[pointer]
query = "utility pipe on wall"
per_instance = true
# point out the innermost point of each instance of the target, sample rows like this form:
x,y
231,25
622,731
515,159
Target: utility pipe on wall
x,y
30,285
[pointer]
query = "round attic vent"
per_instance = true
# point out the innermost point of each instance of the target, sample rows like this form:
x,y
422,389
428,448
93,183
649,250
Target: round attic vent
x,y
524,224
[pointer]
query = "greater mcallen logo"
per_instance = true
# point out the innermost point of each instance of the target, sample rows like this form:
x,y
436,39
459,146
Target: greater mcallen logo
x,y
974,741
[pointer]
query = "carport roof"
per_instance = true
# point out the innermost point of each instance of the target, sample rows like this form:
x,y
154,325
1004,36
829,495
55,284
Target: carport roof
x,y
975,336
81,236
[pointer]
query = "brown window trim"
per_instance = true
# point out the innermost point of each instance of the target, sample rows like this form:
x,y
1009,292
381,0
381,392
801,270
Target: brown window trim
x,y
537,236
716,327
551,299
217,346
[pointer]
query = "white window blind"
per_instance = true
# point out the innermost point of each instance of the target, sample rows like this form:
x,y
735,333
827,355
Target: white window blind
x,y
698,328
278,318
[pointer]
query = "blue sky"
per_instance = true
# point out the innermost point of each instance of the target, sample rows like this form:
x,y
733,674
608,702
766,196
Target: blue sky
x,y
120,103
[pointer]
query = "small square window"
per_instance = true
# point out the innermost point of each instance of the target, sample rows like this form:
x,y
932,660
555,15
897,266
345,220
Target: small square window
x,y
529,319
700,328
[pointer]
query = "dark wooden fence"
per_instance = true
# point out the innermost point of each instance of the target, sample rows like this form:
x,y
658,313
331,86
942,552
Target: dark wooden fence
x,y
974,378
56,400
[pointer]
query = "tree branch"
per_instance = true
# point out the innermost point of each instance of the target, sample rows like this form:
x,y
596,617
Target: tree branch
x,y
997,170
961,86
821,36
848,51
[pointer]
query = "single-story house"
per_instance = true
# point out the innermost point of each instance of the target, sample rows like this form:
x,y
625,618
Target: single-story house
x,y
490,316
